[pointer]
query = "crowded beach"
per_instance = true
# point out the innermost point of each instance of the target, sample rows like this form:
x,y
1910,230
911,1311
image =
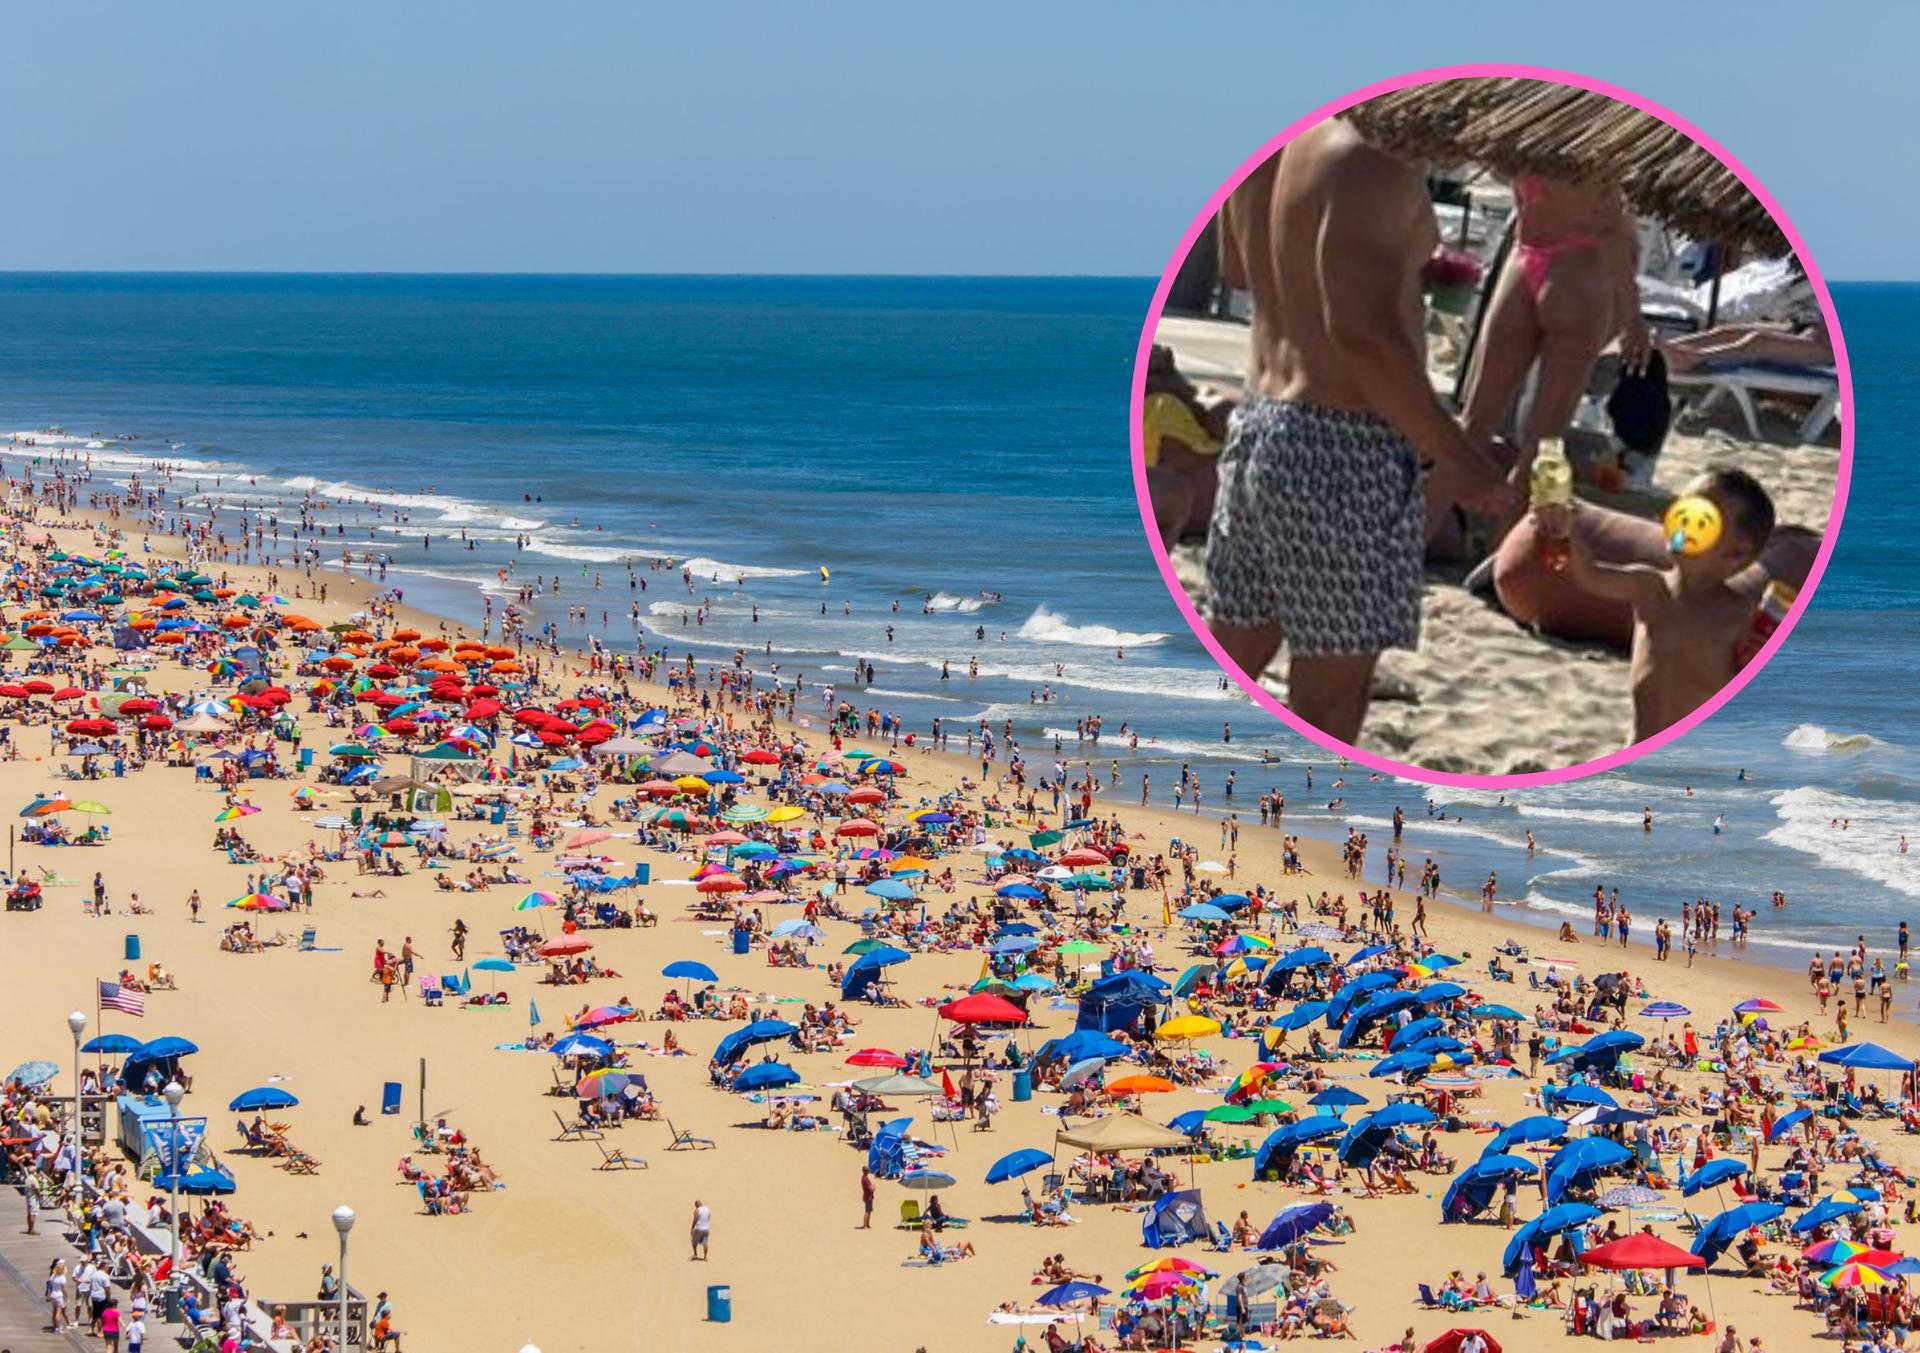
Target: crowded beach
x,y
707,1008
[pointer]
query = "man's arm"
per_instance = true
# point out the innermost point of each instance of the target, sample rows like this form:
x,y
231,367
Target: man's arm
x,y
1361,256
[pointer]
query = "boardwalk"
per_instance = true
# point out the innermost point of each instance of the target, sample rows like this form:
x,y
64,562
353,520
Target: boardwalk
x,y
24,1261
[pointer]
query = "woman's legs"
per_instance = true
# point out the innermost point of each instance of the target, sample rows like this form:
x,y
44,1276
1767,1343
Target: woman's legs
x,y
1575,313
1509,342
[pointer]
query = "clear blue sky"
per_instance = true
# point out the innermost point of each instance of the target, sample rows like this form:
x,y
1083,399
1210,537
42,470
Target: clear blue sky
x,y
734,137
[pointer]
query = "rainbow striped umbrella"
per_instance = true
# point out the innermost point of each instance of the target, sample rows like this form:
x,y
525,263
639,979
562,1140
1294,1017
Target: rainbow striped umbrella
x,y
536,899
1854,1275
239,810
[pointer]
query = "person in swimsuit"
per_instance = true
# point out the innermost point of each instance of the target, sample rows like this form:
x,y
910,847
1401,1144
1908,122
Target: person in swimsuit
x,y
1319,525
1569,288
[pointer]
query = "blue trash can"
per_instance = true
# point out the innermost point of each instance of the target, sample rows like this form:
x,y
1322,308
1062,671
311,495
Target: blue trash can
x,y
133,949
720,1304
742,940
1022,1086
643,873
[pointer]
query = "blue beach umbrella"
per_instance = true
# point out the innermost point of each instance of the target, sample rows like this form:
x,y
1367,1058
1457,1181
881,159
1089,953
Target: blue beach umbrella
x,y
688,968
1068,1293
111,1044
266,1097
494,965
1017,1163
1717,1171
767,1076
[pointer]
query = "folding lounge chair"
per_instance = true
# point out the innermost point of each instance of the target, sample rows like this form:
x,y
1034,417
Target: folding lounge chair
x,y
577,1131
1741,382
430,991
617,1159
686,1141
909,1213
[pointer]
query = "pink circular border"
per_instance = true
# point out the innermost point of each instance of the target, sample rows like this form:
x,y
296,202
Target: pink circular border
x,y
1404,769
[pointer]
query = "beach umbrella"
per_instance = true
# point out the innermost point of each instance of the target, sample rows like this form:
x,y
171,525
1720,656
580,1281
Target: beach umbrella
x,y
1718,1231
606,1084
111,1044
582,1045
563,946
983,1009
32,1075
767,1076
1141,1083
536,899
1786,1122
266,1097
168,1045
1717,1171
1017,1163
1538,1128
1069,1292
1494,1012
1301,1015
1666,1010
604,1015
1450,1341
1758,1005
1082,1071
1584,1095
1186,1028
1834,1251
1822,1212
688,968
494,965
1337,1098
926,1180
1628,1196
876,1057
1294,1223
1854,1274
1640,1251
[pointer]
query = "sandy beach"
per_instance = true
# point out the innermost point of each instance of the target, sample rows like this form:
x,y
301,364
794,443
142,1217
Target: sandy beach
x,y
1448,705
571,1257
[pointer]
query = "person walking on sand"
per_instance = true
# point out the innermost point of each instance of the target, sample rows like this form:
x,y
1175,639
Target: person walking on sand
x,y
866,1198
1319,526
701,1229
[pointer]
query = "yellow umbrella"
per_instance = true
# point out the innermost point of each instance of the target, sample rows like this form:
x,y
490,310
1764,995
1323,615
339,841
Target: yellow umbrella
x,y
693,784
1187,1027
785,813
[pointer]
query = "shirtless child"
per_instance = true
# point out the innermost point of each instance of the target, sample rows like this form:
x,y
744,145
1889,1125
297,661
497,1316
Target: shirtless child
x,y
1687,617
1319,525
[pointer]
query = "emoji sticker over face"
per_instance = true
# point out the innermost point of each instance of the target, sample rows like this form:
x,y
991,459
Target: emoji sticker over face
x,y
1692,525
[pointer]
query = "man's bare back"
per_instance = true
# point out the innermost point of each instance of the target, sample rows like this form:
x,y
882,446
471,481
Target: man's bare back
x,y
1329,179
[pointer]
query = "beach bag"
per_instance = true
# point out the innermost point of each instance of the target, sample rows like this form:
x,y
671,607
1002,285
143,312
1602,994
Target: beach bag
x,y
1640,407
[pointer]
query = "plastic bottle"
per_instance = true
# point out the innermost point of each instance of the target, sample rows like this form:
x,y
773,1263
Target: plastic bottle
x,y
1551,485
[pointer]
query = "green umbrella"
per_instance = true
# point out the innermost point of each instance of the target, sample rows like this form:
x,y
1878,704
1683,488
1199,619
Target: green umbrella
x,y
89,806
1232,1113
865,946
1041,840
1095,881
1080,947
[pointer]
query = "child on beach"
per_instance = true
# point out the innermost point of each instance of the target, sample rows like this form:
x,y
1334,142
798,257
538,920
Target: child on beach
x,y
1687,618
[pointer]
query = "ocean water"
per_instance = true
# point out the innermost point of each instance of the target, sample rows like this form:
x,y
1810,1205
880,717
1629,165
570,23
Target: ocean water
x,y
956,447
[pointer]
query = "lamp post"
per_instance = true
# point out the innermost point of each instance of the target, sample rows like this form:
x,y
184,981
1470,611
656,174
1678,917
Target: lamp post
x,y
78,1023
343,1223
173,1093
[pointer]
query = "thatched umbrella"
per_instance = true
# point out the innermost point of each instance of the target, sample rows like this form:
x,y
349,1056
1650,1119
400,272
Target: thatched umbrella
x,y
1516,126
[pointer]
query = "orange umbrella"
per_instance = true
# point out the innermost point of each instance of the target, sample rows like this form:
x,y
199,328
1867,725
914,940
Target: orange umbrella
x,y
1140,1085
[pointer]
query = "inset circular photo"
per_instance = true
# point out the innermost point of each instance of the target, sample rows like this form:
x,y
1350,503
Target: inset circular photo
x,y
1491,426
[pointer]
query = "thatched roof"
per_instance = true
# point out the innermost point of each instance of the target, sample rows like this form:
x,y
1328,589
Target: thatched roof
x,y
1514,126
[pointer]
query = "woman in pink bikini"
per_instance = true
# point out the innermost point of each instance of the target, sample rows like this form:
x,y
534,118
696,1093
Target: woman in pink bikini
x,y
1568,289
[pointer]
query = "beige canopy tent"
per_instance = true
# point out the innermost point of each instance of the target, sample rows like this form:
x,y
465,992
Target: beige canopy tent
x,y
1120,1132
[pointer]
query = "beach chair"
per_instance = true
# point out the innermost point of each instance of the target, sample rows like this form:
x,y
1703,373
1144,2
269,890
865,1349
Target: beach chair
x,y
686,1141
1427,1298
427,1200
1742,382
309,936
390,1097
909,1213
1222,1237
577,1131
617,1159
429,991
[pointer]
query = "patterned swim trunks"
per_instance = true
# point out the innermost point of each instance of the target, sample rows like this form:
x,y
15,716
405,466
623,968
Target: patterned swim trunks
x,y
1319,528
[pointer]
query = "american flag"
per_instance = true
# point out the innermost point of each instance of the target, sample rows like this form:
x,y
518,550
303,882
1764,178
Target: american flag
x,y
113,996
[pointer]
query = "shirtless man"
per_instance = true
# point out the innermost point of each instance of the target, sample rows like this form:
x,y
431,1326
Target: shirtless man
x,y
1319,527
